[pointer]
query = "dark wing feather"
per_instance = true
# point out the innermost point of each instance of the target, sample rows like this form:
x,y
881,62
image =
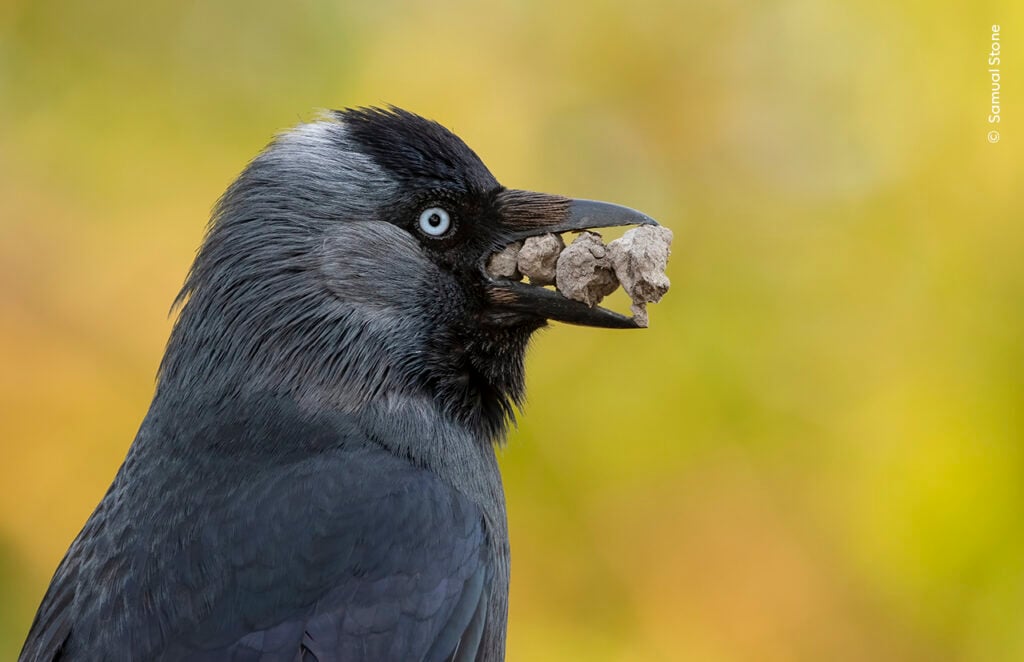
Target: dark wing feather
x,y
52,624
345,553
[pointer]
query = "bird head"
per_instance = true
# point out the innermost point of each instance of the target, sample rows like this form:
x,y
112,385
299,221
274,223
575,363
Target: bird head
x,y
346,264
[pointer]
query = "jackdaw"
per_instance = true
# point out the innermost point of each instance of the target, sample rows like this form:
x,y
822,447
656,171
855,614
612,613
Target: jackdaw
x,y
315,478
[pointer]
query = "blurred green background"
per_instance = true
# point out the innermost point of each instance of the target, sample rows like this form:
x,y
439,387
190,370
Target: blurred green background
x,y
814,453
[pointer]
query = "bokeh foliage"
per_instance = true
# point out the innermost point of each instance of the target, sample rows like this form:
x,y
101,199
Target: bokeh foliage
x,y
815,453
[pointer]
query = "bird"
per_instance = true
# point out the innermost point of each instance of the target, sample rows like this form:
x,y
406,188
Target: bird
x,y
316,478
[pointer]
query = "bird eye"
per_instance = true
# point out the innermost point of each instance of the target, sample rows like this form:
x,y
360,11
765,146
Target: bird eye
x,y
435,221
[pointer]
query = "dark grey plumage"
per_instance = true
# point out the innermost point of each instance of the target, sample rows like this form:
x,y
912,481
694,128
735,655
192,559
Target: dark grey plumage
x,y
315,478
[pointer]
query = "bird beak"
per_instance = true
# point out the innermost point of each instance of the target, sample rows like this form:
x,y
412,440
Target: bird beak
x,y
527,214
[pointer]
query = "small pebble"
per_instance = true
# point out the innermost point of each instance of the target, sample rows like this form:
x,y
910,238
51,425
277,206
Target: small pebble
x,y
538,258
503,263
584,271
639,259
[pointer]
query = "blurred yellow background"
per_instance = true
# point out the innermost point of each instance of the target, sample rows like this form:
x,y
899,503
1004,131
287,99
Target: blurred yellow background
x,y
816,452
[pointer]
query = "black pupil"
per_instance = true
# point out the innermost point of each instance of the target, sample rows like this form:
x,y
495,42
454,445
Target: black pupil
x,y
434,220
